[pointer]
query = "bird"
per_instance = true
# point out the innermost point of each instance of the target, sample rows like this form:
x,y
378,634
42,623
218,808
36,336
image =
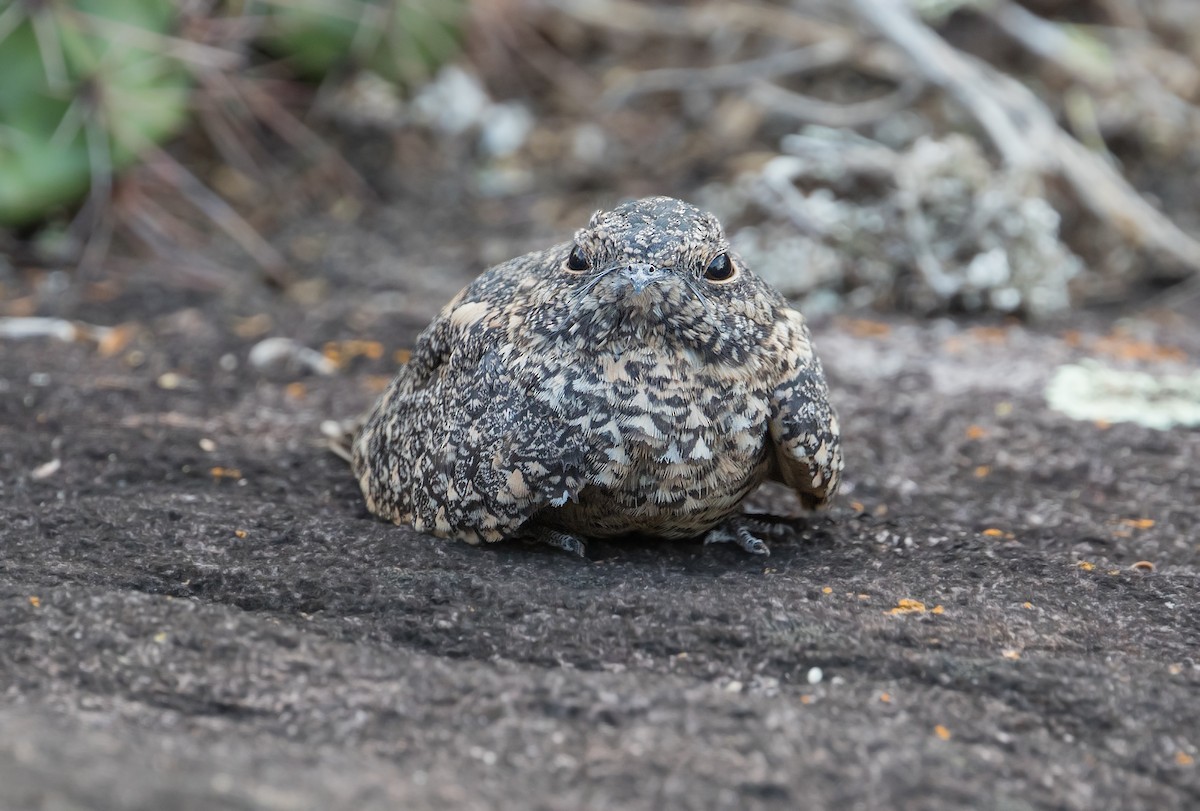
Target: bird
x,y
639,380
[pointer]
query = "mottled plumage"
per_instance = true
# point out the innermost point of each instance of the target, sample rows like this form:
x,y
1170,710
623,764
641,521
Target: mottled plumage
x,y
617,384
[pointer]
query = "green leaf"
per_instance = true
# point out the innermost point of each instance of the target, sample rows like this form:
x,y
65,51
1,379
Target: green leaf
x,y
129,95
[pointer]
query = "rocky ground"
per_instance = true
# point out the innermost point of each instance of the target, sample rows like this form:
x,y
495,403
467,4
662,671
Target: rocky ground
x,y
196,611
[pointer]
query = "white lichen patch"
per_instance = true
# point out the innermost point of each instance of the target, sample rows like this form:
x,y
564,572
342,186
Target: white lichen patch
x,y
850,221
1092,391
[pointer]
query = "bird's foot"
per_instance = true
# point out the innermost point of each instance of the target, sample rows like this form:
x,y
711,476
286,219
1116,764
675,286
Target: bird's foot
x,y
738,531
775,527
559,540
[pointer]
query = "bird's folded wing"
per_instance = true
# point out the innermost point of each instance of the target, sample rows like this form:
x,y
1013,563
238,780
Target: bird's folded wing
x,y
457,446
805,433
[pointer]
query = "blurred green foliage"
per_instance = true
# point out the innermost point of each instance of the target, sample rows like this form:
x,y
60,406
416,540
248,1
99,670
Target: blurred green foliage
x,y
401,41
89,84
79,99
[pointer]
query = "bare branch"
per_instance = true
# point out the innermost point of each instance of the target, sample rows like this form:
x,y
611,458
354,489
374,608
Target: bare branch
x,y
829,114
221,213
1082,57
1025,132
699,21
802,60
196,54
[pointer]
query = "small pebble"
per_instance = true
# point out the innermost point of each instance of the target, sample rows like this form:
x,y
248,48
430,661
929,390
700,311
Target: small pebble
x,y
271,352
46,469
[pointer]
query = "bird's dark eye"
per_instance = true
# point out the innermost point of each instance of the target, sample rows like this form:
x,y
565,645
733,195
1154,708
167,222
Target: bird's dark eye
x,y
720,269
577,261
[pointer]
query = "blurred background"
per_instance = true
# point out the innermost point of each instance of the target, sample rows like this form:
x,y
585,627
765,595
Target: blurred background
x,y
916,156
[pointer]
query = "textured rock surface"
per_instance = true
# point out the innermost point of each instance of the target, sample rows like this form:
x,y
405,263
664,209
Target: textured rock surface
x,y
197,612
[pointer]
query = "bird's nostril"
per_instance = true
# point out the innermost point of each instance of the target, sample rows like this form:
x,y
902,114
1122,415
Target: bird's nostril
x,y
642,275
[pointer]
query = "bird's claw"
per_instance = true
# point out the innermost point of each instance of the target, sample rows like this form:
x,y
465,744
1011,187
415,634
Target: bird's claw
x,y
560,540
770,526
738,532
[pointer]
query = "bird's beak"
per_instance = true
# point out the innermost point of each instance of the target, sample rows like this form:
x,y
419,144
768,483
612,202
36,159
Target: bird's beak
x,y
640,276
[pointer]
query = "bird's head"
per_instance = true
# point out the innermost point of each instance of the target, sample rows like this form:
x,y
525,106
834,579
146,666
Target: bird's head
x,y
659,266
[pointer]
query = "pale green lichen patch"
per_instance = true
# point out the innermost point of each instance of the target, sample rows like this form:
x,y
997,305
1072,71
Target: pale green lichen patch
x,y
1092,391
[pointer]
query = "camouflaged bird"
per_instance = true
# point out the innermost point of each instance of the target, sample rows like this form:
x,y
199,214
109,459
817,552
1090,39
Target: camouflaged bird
x,y
638,380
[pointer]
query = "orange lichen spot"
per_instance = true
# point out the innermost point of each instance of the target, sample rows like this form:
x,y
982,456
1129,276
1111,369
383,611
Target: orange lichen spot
x,y
1113,572
907,606
858,506
241,533
253,326
225,473
375,383
937,609
992,532
1143,566
1011,653
1184,759
21,307
35,601
865,328
806,699
1026,604
1138,523
976,432
115,340
102,291
296,390
989,334
1119,344
342,352
941,732
402,355
982,471
827,590
1086,566
886,698
334,352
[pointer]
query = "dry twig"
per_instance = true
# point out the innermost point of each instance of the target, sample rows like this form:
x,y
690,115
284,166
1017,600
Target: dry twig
x,y
810,110
632,17
219,212
1025,132
736,74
